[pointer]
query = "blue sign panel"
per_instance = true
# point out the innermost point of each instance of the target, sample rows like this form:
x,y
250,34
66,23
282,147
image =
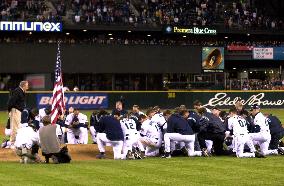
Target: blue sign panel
x,y
77,100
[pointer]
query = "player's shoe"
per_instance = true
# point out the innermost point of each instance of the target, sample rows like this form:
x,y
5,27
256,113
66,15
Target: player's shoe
x,y
167,155
54,159
137,154
130,155
259,155
100,156
281,150
184,151
4,144
205,153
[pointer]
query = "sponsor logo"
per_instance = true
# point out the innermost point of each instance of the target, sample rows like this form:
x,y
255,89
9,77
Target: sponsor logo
x,y
222,99
88,101
193,30
30,26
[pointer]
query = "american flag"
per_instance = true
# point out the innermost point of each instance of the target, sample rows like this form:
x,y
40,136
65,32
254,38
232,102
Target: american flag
x,y
58,104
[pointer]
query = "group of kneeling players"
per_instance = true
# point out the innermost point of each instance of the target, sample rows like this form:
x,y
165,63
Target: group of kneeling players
x,y
181,132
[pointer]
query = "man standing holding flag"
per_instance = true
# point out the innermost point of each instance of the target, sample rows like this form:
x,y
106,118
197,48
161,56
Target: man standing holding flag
x,y
58,104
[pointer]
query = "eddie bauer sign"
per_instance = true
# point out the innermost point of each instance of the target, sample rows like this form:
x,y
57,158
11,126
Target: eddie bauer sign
x,y
263,99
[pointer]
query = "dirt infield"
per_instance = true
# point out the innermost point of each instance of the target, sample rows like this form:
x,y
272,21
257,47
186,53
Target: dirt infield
x,y
77,152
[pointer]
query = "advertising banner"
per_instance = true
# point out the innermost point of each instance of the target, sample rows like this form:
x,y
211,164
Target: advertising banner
x,y
30,26
169,29
76,100
263,53
213,59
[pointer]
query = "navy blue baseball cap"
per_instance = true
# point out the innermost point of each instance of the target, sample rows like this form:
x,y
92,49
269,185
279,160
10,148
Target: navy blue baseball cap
x,y
255,106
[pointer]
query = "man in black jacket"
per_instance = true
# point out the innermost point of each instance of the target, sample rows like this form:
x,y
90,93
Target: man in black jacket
x,y
211,128
16,105
110,131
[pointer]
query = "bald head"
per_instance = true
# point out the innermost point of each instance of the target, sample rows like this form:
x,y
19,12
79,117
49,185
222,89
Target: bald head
x,y
24,85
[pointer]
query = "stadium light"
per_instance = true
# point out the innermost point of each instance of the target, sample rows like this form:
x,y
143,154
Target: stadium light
x,y
110,34
245,71
184,36
129,31
84,30
226,37
111,38
67,33
234,68
149,35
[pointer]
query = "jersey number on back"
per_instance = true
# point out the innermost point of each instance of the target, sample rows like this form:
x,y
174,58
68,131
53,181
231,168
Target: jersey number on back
x,y
129,126
242,123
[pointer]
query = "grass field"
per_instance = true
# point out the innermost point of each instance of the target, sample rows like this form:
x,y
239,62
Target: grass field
x,y
152,171
175,171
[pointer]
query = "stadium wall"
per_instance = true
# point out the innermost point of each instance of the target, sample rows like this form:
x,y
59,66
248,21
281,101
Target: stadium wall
x,y
84,58
165,99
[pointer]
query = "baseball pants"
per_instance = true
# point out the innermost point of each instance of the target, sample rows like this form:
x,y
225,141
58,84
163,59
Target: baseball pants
x,y
93,134
71,136
239,143
83,136
263,139
170,138
150,145
116,145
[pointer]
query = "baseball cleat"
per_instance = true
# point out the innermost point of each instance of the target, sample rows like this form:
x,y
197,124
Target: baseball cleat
x,y
100,156
167,155
281,150
130,155
259,155
205,153
4,144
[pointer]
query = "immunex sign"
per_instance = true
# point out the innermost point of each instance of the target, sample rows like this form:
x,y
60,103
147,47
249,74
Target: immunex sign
x,y
30,26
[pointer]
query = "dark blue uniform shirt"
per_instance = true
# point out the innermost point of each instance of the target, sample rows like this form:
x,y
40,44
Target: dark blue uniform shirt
x,y
177,124
112,128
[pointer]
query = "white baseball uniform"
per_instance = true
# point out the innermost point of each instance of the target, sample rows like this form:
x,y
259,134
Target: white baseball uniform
x,y
241,136
152,137
263,137
130,134
72,132
160,120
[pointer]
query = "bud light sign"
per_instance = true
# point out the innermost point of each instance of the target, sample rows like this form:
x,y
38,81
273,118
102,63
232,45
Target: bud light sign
x,y
77,100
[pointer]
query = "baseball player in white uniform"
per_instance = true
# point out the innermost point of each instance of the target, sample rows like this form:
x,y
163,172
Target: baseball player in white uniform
x,y
151,135
160,120
238,125
262,136
75,122
131,136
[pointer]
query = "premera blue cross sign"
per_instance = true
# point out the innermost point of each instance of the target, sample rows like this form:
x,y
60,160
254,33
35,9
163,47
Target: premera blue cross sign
x,y
30,26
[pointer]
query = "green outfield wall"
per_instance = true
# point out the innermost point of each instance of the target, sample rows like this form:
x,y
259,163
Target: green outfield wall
x,y
165,99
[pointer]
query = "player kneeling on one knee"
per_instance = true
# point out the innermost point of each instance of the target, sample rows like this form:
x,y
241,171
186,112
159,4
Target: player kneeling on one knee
x,y
109,131
178,130
238,127
151,133
26,139
261,135
77,132
131,137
